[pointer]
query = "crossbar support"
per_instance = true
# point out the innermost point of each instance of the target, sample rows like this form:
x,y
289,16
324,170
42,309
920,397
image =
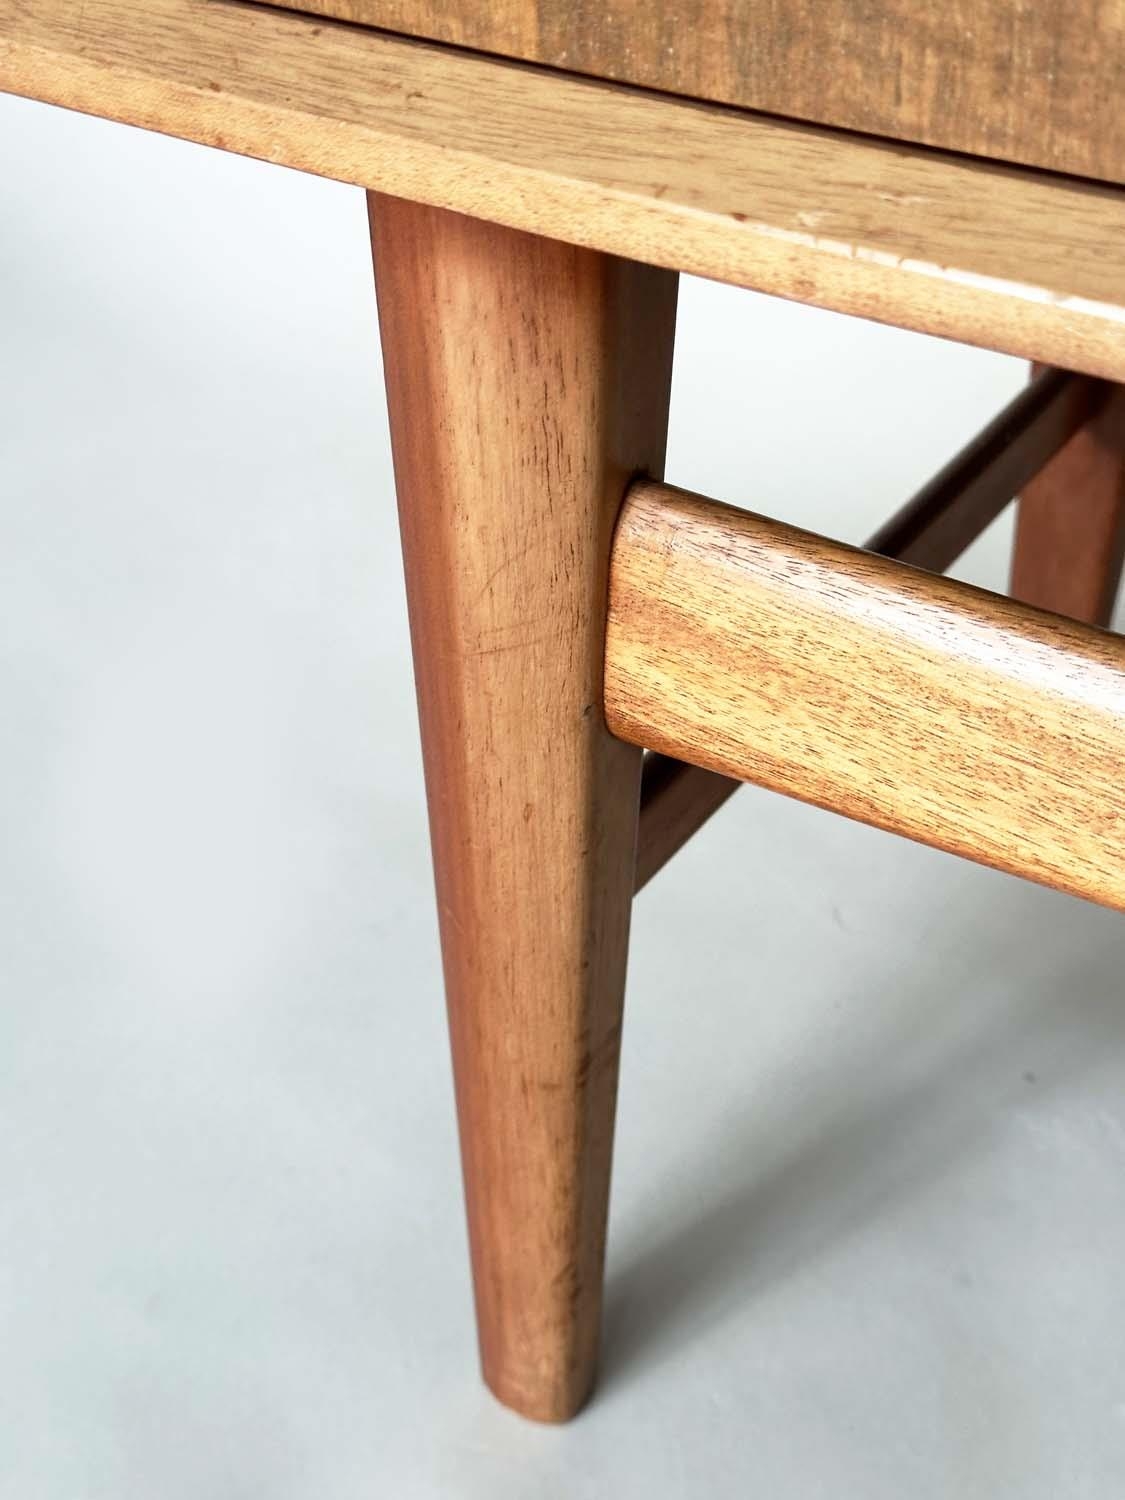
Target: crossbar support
x,y
931,531
957,717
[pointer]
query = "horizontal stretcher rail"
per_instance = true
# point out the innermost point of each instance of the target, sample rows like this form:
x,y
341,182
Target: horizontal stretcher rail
x,y
957,717
930,531
1025,261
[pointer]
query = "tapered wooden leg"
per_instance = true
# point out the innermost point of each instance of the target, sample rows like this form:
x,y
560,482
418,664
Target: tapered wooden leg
x,y
1070,523
527,380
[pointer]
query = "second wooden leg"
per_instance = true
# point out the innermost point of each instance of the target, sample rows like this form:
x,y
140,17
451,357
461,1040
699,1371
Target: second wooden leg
x,y
527,380
1070,523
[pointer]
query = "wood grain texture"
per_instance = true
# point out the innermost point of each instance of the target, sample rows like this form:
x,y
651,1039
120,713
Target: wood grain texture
x,y
957,717
1070,523
930,531
526,381
1012,259
1033,83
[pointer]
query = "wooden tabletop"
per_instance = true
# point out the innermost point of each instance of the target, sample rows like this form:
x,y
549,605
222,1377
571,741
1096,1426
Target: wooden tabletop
x,y
1010,258
1038,84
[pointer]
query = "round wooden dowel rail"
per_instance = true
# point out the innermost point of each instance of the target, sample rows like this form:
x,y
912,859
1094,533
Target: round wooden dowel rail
x,y
931,531
957,717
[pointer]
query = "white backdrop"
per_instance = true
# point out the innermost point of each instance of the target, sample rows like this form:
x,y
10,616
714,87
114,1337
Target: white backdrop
x,y
869,1211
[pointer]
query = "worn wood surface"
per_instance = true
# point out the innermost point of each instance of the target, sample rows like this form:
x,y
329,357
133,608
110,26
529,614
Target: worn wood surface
x,y
1070,523
1015,260
1035,83
958,717
526,381
930,531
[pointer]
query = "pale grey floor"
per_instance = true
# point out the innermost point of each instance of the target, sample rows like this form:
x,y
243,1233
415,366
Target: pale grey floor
x,y
869,1213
